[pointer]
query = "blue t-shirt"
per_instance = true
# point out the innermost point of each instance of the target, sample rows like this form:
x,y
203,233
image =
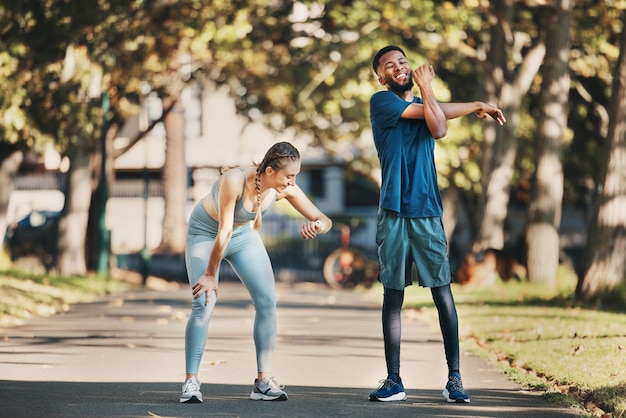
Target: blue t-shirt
x,y
406,153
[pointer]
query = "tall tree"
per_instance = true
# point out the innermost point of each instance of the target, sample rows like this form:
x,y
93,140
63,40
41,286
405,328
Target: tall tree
x,y
10,160
71,55
605,264
16,134
509,72
70,108
174,176
544,212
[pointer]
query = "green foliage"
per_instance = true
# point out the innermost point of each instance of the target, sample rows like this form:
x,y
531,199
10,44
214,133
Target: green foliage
x,y
62,56
609,299
14,126
304,65
561,399
611,398
595,49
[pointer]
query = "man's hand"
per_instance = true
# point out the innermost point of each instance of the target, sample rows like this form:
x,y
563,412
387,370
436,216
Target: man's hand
x,y
494,112
423,75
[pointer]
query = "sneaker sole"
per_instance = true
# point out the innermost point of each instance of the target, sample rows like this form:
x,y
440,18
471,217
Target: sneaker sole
x,y
397,397
446,395
261,397
193,399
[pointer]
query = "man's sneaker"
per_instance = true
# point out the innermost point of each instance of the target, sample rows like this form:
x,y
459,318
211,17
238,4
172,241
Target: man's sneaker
x,y
454,391
391,389
191,391
268,389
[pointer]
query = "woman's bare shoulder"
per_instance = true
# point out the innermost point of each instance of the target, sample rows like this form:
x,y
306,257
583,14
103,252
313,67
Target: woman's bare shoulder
x,y
232,179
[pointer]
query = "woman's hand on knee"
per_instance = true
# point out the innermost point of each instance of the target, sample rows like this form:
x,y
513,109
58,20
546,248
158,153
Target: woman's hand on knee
x,y
205,284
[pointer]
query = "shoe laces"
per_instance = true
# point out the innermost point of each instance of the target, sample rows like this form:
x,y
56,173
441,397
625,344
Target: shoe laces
x,y
386,383
192,384
455,384
272,382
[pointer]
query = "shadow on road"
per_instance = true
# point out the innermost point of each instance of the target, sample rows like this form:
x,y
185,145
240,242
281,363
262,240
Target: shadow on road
x,y
115,399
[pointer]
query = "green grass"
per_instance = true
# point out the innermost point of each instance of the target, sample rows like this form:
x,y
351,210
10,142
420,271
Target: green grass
x,y
543,339
23,295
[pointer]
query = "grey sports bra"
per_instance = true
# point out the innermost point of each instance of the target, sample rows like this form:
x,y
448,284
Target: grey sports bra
x,y
241,214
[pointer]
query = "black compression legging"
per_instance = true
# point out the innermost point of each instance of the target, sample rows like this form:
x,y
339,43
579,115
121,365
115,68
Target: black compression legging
x,y
448,322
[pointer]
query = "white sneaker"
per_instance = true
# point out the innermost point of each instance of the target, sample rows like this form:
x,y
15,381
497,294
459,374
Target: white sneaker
x,y
268,389
191,391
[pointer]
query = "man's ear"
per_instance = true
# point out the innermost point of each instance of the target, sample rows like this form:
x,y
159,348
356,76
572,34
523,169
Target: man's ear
x,y
381,80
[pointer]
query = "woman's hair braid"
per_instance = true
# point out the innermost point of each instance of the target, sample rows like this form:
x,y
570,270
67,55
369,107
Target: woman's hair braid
x,y
277,157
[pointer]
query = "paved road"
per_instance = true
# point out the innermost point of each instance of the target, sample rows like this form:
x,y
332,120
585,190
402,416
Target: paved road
x,y
123,357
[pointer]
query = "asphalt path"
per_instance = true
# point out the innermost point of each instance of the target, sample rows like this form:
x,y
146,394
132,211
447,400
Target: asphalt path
x,y
123,356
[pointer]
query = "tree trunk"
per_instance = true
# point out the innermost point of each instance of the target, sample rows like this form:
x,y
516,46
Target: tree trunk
x,y
91,249
450,199
73,223
507,88
174,180
606,246
9,167
544,212
495,199
490,205
99,199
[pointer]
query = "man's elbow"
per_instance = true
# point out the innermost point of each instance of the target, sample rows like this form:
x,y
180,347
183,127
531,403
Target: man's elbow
x,y
440,132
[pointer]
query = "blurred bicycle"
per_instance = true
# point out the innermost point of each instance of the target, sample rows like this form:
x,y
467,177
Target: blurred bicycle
x,y
347,267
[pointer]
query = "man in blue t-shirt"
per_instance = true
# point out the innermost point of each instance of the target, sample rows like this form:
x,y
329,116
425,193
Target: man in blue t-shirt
x,y
410,228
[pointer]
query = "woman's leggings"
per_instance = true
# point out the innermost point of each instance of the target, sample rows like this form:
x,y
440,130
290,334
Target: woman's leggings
x,y
246,254
448,322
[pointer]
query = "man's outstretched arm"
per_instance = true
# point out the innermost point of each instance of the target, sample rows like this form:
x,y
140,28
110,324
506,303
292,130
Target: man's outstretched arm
x,y
482,110
456,110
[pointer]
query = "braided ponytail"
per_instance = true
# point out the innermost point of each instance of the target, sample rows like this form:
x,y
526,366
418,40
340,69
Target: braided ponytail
x,y
257,188
276,157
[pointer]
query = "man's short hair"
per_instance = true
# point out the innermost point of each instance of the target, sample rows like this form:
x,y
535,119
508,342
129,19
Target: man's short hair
x,y
383,51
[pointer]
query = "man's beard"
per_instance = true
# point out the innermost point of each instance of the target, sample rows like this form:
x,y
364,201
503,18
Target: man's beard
x,y
399,88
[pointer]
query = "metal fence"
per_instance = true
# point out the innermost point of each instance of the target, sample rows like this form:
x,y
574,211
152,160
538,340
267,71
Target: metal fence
x,y
293,258
120,188
40,181
302,260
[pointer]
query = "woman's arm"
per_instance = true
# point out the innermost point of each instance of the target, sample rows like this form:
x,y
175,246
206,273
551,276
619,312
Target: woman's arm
x,y
318,222
230,187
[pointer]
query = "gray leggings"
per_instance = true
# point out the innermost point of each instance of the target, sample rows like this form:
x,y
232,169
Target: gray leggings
x,y
247,256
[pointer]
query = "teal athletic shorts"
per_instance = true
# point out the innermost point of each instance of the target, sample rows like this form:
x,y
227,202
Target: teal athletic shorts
x,y
404,241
